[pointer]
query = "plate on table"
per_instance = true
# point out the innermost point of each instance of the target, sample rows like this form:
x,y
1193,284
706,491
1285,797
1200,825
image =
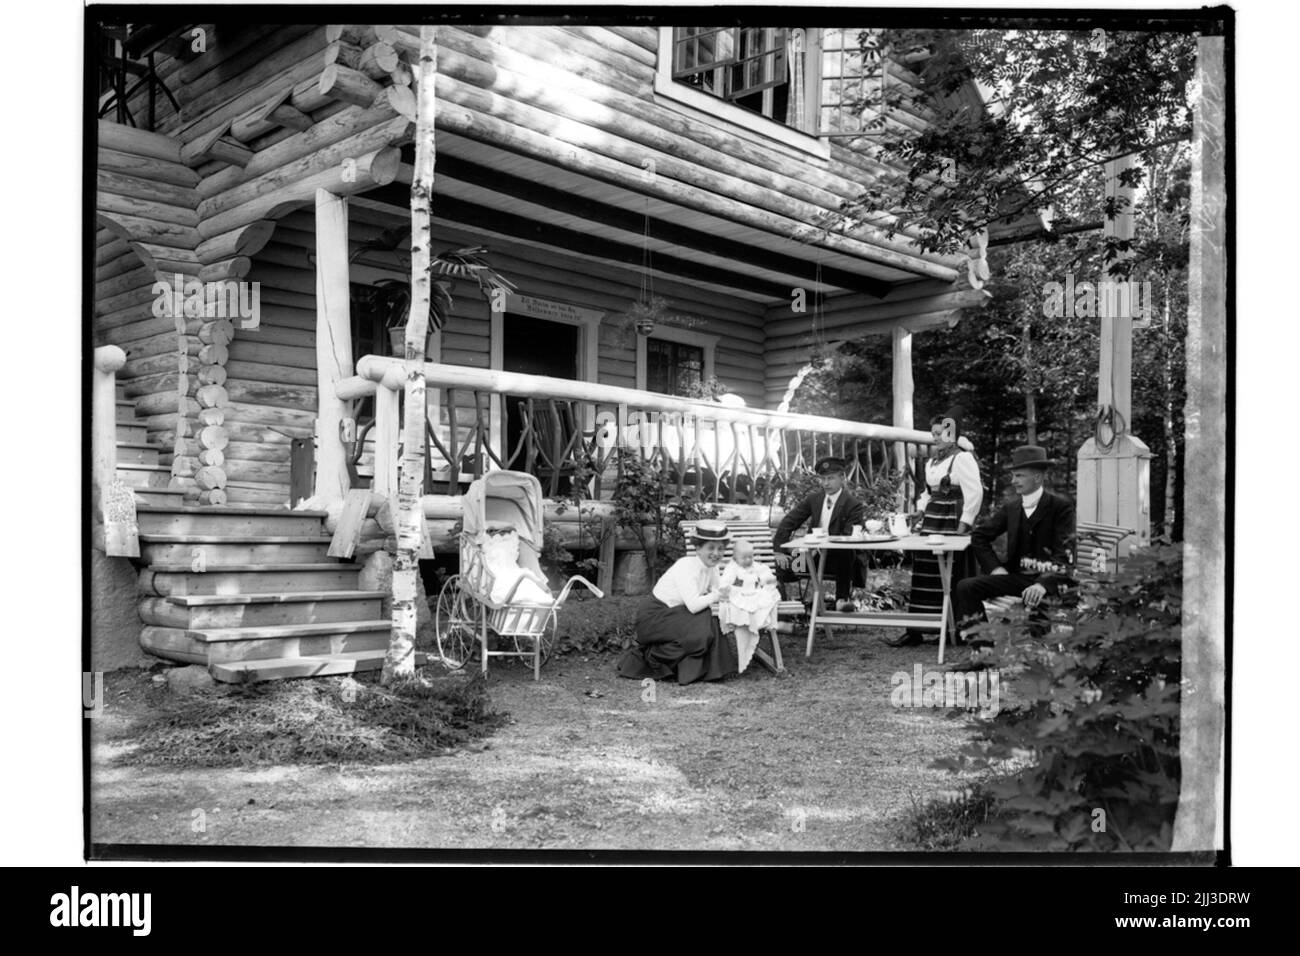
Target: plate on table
x,y
864,538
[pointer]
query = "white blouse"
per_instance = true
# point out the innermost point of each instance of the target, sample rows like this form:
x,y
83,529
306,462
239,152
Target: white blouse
x,y
687,582
965,474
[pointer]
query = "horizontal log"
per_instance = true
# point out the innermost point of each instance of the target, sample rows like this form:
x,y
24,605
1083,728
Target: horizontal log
x,y
349,86
347,122
484,114
373,169
151,365
361,143
239,495
289,419
258,451
262,372
244,241
246,348
287,66
208,477
271,393
108,287
162,343
245,52
137,142
164,404
146,167
134,187
216,497
233,268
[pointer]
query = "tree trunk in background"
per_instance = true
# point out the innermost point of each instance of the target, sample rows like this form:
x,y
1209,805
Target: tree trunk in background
x,y
400,661
1031,402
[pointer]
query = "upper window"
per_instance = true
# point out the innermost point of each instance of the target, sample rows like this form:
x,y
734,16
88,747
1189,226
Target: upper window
x,y
789,83
748,66
844,77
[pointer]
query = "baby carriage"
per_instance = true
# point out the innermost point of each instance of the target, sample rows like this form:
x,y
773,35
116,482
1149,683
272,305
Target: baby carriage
x,y
500,589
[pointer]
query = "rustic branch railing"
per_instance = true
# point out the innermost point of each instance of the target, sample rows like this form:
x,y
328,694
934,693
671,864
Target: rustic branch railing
x,y
571,434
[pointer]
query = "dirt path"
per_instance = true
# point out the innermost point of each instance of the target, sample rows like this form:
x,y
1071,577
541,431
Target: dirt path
x,y
818,760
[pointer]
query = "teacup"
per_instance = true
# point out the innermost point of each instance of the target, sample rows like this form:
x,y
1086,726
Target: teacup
x,y
874,525
857,531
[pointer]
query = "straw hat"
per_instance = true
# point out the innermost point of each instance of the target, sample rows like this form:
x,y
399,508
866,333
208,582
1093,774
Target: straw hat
x,y
711,531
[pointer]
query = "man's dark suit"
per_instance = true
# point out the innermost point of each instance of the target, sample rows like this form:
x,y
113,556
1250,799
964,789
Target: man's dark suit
x,y
847,512
1046,536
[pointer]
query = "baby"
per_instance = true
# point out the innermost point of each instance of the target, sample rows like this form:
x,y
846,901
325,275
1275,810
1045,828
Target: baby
x,y
751,605
501,555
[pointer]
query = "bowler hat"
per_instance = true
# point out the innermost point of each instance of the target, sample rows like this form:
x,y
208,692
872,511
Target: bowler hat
x,y
1029,456
830,466
711,531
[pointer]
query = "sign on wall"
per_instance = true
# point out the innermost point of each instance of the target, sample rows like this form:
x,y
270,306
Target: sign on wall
x,y
550,309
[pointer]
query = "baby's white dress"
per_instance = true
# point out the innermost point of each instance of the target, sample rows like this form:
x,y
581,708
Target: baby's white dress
x,y
750,607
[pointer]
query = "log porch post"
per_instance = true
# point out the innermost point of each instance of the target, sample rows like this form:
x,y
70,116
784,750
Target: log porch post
x,y
903,386
333,341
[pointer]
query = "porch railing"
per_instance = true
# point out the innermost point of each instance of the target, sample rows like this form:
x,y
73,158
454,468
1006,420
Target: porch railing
x,y
575,435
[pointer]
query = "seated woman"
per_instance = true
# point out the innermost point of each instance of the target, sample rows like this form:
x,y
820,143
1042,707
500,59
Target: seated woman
x,y
750,607
676,631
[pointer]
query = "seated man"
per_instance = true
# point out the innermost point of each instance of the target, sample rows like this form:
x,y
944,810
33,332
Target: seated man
x,y
1040,530
833,510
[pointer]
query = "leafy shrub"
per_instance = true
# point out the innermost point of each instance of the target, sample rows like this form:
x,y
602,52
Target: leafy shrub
x,y
1094,727
596,626
644,506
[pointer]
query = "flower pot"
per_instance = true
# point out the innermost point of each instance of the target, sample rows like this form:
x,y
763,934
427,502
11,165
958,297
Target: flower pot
x,y
644,326
397,341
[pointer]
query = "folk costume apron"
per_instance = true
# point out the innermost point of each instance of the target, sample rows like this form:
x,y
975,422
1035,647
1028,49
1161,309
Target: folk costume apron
x,y
942,516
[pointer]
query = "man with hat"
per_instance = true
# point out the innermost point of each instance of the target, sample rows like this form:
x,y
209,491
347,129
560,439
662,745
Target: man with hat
x,y
834,511
1040,530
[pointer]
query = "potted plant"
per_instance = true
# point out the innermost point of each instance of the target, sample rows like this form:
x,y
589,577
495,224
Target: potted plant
x,y
390,298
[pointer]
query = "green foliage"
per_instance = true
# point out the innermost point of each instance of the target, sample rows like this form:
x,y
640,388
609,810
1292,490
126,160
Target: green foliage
x,y
645,506
1094,726
326,720
554,557
1063,102
586,626
946,824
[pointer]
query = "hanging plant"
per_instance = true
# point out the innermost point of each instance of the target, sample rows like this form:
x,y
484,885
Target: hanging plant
x,y
647,313
390,298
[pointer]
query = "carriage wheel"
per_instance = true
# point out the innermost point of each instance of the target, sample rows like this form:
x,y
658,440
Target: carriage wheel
x,y
456,622
547,638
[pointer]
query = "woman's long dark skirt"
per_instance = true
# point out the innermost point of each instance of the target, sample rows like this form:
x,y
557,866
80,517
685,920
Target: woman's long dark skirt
x,y
942,515
672,640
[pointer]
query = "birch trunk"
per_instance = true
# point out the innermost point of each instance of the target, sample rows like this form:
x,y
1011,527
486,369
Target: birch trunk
x,y
400,661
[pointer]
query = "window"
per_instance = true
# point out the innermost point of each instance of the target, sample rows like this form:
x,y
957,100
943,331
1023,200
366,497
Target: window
x,y
672,359
742,65
843,78
672,368
757,78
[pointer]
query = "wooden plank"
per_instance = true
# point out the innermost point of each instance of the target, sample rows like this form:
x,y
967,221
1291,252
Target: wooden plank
x,y
348,533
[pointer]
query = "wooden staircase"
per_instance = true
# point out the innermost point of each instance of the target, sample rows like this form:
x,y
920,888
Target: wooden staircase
x,y
249,592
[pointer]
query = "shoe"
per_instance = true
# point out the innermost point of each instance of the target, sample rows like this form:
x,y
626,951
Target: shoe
x,y
977,661
908,638
845,606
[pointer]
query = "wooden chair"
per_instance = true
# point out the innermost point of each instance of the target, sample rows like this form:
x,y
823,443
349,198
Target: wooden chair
x,y
759,534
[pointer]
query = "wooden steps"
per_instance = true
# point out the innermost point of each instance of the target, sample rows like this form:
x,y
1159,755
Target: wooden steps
x,y
158,497
223,645
144,476
182,579
162,550
283,668
202,611
251,593
137,453
227,520
130,432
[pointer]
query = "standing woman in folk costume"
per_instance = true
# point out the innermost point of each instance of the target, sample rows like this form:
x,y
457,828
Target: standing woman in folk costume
x,y
949,504
677,632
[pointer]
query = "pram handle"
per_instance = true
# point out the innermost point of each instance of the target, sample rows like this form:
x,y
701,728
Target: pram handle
x,y
564,592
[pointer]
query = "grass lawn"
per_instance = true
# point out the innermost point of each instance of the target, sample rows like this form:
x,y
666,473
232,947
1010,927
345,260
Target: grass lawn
x,y
816,760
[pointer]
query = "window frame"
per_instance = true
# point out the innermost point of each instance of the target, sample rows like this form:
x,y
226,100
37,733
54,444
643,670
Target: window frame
x,y
669,333
713,108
